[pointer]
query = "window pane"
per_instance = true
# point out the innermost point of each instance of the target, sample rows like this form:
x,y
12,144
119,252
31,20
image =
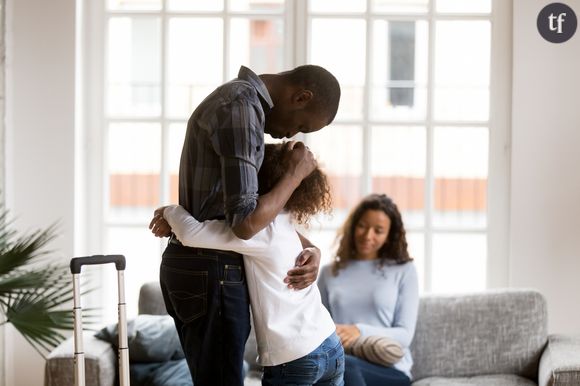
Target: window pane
x,y
257,44
462,57
401,6
133,71
324,239
460,169
339,151
195,62
459,262
176,139
129,5
195,5
458,6
337,6
339,46
397,164
257,5
416,245
142,252
134,161
399,79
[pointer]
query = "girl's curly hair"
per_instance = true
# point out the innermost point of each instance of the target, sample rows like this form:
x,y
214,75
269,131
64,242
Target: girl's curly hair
x,y
312,196
395,247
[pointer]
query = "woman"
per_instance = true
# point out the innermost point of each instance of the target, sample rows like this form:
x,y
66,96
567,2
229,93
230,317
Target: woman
x,y
372,289
297,342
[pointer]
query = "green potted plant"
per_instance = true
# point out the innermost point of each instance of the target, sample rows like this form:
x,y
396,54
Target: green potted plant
x,y
32,288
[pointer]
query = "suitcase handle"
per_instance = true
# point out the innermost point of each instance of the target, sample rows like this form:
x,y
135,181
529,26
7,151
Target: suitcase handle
x,y
77,262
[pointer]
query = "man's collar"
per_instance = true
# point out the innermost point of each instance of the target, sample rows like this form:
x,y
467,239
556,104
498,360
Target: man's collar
x,y
248,75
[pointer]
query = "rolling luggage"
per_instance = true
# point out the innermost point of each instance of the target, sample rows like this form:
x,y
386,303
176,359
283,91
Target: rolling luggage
x,y
79,357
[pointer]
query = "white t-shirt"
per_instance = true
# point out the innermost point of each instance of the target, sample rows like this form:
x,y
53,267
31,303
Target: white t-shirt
x,y
289,323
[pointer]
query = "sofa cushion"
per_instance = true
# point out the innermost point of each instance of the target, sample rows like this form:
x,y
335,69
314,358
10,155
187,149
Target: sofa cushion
x,y
494,332
170,373
151,299
151,338
482,380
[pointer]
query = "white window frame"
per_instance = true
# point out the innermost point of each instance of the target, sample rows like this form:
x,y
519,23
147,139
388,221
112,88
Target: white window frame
x,y
91,152
497,228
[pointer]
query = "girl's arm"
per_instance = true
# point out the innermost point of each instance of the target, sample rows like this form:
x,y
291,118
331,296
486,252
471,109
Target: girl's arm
x,y
211,234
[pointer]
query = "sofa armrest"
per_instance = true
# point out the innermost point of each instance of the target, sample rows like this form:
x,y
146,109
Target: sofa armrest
x,y
560,361
100,363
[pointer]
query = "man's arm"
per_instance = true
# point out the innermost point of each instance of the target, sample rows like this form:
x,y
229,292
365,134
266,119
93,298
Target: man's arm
x,y
300,163
238,141
307,265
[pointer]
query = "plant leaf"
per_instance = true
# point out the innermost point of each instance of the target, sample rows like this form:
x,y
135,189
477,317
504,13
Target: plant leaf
x,y
33,293
24,250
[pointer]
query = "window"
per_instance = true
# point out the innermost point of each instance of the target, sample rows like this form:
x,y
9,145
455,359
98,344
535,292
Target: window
x,y
414,120
414,124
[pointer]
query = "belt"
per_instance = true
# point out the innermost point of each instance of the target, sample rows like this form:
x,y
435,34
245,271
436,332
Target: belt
x,y
173,240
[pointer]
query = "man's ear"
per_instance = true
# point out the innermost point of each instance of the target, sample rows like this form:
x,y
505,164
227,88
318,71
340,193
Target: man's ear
x,y
302,97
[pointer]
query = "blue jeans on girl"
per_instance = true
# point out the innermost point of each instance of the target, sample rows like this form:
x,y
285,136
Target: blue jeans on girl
x,y
322,367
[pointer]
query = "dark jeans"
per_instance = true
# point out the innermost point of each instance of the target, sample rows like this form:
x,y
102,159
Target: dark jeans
x,y
206,294
322,367
359,372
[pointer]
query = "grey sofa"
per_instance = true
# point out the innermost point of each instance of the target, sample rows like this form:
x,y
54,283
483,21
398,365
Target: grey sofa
x,y
495,338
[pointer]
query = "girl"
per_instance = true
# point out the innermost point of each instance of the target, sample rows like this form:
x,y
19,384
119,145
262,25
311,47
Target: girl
x,y
297,342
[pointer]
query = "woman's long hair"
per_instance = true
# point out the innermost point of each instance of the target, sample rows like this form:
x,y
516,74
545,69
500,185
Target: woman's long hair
x,y
394,250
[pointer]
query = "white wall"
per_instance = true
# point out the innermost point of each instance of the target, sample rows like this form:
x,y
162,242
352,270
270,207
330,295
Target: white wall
x,y
545,183
40,76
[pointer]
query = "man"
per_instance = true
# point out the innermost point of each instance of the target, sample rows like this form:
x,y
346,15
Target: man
x,y
205,290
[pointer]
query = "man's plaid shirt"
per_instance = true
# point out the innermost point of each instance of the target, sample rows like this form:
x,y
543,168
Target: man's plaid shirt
x,y
224,149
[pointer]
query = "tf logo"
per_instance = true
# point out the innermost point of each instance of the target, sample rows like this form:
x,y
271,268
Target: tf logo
x,y
557,22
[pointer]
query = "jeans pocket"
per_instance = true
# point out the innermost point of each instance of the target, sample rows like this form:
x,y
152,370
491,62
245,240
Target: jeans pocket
x,y
302,371
187,292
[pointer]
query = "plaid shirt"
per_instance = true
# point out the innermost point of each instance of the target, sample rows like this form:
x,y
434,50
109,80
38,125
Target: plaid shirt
x,y
224,149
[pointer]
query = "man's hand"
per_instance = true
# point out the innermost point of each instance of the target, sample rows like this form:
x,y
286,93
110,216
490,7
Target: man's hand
x,y
348,334
158,225
305,272
299,160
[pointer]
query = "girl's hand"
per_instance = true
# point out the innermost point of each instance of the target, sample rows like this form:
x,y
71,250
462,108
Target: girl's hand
x,y
158,225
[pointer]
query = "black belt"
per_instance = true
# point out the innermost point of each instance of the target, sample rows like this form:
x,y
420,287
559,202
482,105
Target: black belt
x,y
173,240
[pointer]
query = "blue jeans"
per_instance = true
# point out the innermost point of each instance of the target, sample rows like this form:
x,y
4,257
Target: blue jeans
x,y
359,372
206,294
324,366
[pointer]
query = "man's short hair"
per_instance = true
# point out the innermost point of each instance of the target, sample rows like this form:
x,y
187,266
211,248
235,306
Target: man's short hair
x,y
322,83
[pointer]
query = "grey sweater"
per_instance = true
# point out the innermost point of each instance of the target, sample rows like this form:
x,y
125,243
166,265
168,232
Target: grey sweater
x,y
379,301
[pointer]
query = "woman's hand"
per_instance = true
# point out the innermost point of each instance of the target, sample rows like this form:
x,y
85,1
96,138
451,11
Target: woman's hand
x,y
348,333
158,225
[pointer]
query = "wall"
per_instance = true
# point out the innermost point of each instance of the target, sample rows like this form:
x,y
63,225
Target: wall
x,y
545,182
40,101
2,91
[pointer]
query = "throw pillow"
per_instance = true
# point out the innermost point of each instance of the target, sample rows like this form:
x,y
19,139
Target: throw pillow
x,y
151,338
376,349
